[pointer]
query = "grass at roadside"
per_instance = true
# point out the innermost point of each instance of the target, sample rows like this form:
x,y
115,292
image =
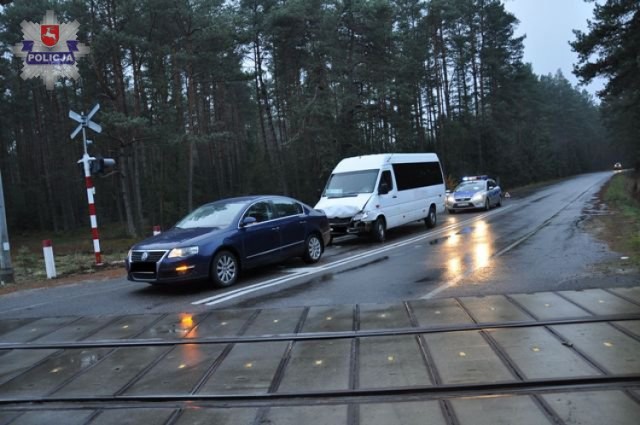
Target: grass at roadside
x,y
73,253
624,223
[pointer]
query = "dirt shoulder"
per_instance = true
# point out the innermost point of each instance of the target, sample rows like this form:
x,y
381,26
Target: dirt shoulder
x,y
106,273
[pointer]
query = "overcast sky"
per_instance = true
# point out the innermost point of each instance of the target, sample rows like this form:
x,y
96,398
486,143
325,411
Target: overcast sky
x,y
548,25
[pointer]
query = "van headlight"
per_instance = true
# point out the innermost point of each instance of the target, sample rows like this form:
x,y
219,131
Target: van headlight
x,y
478,197
183,252
360,216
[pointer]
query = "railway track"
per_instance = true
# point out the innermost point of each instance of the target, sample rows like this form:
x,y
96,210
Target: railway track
x,y
554,357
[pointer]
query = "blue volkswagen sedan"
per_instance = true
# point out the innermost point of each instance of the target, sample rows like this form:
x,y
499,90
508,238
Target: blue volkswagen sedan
x,y
218,240
474,192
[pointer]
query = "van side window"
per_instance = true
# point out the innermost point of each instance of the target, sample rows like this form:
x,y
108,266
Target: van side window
x,y
386,178
417,174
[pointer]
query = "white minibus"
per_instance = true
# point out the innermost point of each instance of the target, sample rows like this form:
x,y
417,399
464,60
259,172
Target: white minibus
x,y
372,193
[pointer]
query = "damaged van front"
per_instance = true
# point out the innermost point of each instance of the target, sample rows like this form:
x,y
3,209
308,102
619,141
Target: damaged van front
x,y
345,201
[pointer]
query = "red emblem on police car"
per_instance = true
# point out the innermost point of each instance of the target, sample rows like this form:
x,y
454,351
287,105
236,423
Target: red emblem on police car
x,y
49,34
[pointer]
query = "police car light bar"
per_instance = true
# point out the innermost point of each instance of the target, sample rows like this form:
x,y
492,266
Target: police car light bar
x,y
471,178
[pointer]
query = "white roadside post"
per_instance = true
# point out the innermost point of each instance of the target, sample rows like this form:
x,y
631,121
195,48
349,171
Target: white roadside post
x,y
85,121
156,230
49,261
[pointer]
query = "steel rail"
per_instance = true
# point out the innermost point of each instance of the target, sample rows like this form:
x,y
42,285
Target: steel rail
x,y
318,335
425,392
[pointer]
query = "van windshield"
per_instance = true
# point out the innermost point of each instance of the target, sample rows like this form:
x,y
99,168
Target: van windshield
x,y
351,184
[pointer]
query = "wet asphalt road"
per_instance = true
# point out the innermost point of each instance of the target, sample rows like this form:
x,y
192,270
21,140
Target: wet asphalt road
x,y
533,243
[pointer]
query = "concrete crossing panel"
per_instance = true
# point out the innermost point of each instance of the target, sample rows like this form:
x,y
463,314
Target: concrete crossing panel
x,y
221,324
494,308
329,319
393,361
248,369
112,373
465,357
595,408
383,316
549,306
318,366
50,417
404,413
179,371
615,351
307,415
499,410
124,328
199,416
47,376
275,322
540,355
439,312
601,302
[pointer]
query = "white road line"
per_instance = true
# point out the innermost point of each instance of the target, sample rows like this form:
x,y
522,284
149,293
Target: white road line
x,y
227,296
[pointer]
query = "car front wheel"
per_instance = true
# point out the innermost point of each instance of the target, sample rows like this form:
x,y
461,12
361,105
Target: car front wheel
x,y
431,219
312,249
379,230
224,269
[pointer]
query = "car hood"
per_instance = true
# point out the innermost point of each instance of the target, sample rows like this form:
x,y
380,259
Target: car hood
x,y
465,193
177,237
343,207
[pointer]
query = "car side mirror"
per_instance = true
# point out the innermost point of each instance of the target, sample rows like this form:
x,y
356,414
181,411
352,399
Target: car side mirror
x,y
384,188
247,221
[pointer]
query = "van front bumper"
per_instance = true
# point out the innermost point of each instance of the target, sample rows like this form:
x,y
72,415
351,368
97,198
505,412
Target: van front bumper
x,y
344,226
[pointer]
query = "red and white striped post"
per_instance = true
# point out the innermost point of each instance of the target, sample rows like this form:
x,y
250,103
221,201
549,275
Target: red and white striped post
x,y
85,121
86,162
156,230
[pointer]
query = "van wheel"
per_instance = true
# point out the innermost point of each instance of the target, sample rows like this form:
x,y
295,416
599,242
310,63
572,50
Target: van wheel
x,y
224,269
431,219
379,230
312,249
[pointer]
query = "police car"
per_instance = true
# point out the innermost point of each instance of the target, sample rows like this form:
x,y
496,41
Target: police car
x,y
474,192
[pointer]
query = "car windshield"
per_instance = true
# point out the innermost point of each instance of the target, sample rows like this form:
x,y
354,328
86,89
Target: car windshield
x,y
217,214
351,184
472,186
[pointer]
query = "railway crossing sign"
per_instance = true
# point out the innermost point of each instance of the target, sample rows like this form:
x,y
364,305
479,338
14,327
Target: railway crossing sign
x,y
85,121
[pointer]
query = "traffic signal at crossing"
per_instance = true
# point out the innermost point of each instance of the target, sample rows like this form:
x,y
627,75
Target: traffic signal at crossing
x,y
100,165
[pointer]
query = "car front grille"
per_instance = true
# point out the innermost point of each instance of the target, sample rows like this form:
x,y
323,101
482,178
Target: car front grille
x,y
145,269
152,256
339,221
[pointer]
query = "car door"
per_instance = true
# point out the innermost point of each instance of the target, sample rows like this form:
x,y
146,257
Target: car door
x,y
261,240
292,222
388,203
493,192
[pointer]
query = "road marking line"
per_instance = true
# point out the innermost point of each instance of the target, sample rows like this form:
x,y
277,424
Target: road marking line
x,y
216,299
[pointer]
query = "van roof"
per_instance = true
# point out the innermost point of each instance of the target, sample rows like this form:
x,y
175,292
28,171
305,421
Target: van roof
x,y
372,162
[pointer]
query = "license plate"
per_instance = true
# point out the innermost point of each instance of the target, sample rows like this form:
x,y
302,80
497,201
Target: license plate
x,y
464,204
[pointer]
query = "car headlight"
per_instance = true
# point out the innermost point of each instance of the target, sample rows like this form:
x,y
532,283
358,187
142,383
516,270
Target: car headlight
x,y
183,252
129,254
478,197
360,216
